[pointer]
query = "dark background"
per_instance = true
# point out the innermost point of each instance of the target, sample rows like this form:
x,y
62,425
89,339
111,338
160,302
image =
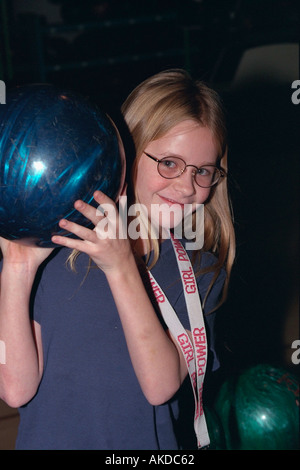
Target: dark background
x,y
103,49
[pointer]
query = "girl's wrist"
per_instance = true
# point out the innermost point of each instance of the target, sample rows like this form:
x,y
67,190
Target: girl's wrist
x,y
19,271
122,271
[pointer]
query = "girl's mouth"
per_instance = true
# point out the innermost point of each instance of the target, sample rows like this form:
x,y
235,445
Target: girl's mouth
x,y
171,202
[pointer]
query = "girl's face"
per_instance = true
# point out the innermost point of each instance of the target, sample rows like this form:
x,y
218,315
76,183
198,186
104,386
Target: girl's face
x,y
195,145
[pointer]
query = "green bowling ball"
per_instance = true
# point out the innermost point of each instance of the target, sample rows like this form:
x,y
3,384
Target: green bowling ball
x,y
215,430
259,409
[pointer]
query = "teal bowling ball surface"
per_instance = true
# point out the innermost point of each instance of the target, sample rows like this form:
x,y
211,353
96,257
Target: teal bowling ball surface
x,y
55,148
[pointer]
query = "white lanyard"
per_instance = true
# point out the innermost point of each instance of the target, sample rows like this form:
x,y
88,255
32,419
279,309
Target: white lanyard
x,y
195,350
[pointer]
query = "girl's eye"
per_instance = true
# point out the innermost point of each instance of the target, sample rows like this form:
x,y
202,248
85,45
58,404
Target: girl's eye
x,y
205,171
168,164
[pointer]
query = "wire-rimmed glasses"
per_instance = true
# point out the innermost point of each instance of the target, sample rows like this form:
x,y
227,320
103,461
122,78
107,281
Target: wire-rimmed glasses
x,y
205,176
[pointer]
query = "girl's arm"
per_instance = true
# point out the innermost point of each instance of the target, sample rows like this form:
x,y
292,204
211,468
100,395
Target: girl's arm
x,y
158,363
21,366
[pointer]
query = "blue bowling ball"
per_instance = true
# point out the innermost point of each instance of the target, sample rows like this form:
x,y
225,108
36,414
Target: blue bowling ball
x,y
55,148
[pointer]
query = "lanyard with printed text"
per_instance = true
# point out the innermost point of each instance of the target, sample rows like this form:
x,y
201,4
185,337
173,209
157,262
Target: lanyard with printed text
x,y
194,349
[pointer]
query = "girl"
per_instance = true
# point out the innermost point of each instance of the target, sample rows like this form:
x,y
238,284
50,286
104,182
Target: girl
x,y
92,359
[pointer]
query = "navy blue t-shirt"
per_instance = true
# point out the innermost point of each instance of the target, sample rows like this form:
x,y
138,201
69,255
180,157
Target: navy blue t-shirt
x,y
89,396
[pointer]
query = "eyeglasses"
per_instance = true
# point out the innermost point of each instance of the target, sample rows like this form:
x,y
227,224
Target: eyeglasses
x,y
205,176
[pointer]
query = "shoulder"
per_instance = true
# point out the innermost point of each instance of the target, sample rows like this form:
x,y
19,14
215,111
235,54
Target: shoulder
x,y
210,280
210,283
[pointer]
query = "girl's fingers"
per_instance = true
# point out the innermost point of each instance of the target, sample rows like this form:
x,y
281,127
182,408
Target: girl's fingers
x,y
80,231
90,212
106,206
74,244
86,237
67,242
104,212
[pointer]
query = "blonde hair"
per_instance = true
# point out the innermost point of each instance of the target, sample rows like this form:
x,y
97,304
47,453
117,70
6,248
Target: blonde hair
x,y
150,111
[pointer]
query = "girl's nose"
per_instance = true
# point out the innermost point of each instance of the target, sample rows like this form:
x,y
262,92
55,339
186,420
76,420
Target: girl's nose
x,y
185,183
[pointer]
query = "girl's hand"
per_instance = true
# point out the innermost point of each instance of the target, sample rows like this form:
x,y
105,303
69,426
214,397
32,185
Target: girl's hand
x,y
107,244
16,253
